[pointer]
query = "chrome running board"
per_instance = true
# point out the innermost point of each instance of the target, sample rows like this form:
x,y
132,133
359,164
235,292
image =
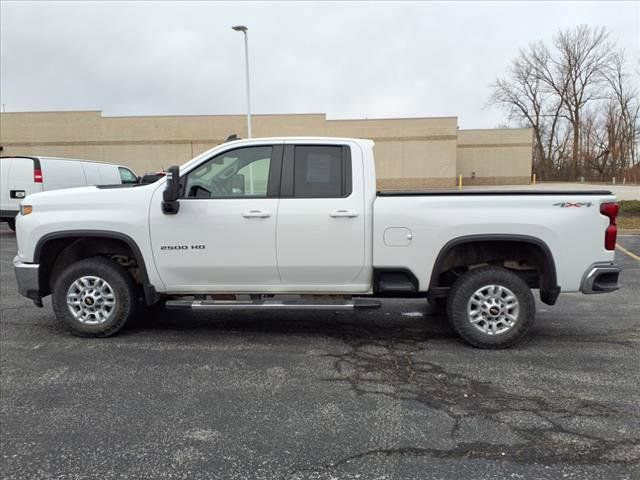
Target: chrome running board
x,y
355,304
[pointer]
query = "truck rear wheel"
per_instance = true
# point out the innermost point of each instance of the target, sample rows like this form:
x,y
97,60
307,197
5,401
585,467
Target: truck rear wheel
x,y
94,297
491,307
12,223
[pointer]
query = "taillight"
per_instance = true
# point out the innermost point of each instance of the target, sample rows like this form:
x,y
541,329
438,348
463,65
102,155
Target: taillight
x,y
610,210
37,175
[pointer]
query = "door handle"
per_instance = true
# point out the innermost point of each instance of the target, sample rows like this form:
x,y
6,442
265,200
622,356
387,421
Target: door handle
x,y
343,213
17,194
256,214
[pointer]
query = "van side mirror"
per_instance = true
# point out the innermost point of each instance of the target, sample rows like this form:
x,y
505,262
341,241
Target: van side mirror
x,y
170,203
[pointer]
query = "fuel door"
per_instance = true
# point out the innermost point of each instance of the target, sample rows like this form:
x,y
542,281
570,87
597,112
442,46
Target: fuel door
x,y
397,237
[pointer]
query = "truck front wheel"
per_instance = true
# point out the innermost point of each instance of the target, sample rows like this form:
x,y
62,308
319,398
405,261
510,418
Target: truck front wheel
x,y
94,297
491,307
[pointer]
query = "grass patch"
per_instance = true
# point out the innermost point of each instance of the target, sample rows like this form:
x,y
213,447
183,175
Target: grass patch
x,y
629,214
629,223
629,207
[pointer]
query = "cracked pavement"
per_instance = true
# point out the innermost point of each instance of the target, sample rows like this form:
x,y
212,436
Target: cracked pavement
x,y
388,394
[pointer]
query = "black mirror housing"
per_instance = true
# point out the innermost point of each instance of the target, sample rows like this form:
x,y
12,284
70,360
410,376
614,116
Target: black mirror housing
x,y
170,203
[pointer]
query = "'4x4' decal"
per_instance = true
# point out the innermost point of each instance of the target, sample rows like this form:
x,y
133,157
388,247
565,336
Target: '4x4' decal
x,y
570,204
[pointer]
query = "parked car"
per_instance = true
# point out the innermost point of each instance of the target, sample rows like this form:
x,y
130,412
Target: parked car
x,y
151,177
22,176
248,224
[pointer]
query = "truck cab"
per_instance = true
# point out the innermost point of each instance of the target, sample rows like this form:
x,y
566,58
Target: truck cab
x,y
268,216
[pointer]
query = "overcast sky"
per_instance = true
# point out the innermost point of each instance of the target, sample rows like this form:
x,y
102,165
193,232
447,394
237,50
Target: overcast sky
x,y
348,60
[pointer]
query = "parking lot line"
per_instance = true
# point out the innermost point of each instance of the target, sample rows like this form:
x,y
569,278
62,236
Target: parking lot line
x,y
631,254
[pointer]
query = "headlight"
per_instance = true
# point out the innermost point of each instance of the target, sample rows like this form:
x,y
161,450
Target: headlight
x,y
25,209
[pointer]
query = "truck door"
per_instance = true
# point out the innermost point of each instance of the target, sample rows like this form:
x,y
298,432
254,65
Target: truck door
x,y
321,224
224,235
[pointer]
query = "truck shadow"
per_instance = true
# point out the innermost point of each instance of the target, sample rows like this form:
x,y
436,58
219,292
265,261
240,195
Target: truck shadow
x,y
377,325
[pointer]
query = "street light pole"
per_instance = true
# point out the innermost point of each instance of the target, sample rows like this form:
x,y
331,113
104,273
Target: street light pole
x,y
244,30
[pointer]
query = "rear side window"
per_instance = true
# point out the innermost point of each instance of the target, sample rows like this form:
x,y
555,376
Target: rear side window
x,y
321,171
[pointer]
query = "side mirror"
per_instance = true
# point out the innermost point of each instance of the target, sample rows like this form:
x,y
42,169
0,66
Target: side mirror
x,y
170,203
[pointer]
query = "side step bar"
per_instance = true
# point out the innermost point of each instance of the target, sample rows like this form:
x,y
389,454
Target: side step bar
x,y
355,304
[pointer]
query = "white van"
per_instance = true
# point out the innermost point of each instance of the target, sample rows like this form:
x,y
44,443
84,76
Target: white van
x,y
21,176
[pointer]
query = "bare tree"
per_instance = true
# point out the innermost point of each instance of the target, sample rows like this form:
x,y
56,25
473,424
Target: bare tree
x,y
585,56
576,96
623,114
526,97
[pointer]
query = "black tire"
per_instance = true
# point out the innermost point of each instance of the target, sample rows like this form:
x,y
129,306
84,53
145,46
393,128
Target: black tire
x,y
121,284
461,294
12,223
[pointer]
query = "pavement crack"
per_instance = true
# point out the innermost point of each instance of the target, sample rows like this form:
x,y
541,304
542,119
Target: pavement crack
x,y
543,429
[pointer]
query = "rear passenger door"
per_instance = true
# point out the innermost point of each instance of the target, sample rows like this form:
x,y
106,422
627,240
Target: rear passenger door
x,y
321,225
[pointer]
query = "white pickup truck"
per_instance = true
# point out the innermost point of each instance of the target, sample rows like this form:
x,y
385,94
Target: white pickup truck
x,y
296,223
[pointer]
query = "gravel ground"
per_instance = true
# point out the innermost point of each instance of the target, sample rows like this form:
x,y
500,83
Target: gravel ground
x,y
368,395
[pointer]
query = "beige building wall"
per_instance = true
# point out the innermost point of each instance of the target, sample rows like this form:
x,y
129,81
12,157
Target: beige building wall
x,y
411,153
494,157
142,143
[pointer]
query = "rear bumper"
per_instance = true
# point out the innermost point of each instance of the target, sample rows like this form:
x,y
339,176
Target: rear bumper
x,y
9,213
27,278
601,278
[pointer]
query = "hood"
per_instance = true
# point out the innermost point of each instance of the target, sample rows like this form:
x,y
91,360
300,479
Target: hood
x,y
53,194
91,198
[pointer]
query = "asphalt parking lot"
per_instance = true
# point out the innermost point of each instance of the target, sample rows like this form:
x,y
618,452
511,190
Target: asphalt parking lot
x,y
368,395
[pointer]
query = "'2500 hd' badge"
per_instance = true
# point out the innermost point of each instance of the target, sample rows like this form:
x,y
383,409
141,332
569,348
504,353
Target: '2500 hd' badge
x,y
182,247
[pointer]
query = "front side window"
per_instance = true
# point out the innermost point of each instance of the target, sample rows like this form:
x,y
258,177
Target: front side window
x,y
127,176
319,171
243,172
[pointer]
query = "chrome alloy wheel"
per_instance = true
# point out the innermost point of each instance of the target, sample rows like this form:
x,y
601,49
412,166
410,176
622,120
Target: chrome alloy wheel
x,y
493,309
91,300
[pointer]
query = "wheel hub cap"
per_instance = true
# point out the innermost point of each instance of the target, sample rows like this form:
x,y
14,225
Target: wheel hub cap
x,y
493,309
91,300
